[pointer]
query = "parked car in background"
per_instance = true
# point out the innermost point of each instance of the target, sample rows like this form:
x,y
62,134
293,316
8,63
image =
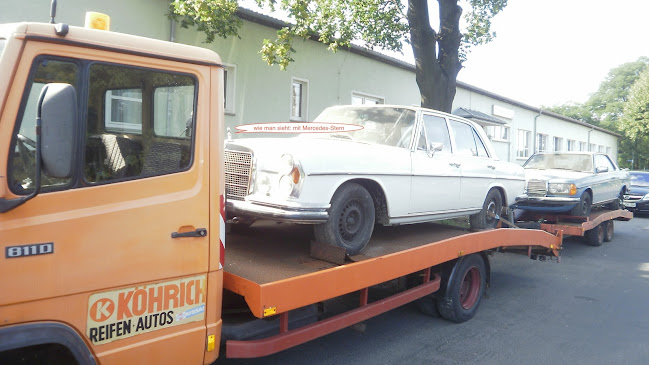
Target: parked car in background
x,y
636,198
407,165
572,182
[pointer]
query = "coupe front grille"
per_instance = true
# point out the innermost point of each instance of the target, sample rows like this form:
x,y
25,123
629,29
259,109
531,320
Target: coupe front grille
x,y
238,166
633,198
537,188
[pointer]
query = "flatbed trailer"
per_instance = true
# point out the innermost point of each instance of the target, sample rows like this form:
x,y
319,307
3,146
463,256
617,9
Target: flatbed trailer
x,y
275,276
596,228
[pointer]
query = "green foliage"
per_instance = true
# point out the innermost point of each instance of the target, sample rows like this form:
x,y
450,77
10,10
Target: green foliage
x,y
635,121
337,23
574,111
212,17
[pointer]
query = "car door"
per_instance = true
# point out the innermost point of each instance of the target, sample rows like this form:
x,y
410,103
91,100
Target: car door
x,y
476,167
607,185
435,184
103,239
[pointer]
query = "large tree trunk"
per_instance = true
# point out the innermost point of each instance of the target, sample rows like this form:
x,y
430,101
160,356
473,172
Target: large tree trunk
x,y
437,61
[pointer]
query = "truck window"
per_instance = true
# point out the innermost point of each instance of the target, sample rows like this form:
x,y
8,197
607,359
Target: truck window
x,y
140,122
21,166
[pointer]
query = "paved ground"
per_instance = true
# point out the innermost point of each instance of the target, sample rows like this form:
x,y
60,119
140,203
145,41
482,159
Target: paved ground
x,y
592,308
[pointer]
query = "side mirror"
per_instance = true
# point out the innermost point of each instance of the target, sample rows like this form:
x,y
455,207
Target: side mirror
x,y
434,147
56,122
59,119
599,170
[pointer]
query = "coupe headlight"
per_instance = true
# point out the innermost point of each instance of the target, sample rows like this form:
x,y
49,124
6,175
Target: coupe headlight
x,y
563,188
262,183
287,164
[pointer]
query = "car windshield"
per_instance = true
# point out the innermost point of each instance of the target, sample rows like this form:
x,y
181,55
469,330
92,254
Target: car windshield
x,y
639,179
390,126
576,162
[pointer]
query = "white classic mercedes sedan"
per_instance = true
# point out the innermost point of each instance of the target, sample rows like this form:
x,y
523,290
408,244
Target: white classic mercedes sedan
x,y
406,165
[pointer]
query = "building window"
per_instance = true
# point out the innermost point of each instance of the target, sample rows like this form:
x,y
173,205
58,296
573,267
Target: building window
x,y
602,149
498,132
592,147
541,142
366,99
523,146
229,82
557,144
582,146
124,111
572,145
299,98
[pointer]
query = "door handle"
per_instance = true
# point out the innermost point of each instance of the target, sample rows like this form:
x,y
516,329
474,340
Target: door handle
x,y
491,167
198,232
454,164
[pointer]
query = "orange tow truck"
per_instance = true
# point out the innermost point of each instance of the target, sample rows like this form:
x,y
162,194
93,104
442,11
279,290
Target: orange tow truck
x,y
112,226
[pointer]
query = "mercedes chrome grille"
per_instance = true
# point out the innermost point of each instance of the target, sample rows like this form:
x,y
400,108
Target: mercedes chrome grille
x,y
537,188
238,166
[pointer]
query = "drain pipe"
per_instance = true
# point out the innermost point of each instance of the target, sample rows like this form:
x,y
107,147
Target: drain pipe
x,y
588,147
534,131
172,31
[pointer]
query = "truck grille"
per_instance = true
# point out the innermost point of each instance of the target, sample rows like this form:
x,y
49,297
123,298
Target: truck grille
x,y
537,188
238,166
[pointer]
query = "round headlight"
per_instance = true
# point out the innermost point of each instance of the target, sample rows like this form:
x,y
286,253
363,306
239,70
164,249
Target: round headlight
x,y
286,165
286,185
263,184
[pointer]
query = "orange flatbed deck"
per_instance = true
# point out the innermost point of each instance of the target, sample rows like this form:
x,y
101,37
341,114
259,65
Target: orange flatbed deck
x,y
270,265
575,226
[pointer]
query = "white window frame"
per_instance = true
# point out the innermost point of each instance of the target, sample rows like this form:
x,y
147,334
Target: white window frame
x,y
541,137
571,145
366,96
601,149
583,146
229,83
523,144
555,144
592,147
113,126
304,102
496,133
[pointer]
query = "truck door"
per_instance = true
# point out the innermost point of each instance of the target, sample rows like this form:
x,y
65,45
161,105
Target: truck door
x,y
97,250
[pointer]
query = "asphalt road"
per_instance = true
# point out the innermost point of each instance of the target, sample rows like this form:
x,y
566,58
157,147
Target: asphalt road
x,y
592,308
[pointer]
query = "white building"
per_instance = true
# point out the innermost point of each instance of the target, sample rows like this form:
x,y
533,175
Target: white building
x,y
258,93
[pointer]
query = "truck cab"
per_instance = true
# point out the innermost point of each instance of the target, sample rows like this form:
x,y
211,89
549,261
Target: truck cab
x,y
111,195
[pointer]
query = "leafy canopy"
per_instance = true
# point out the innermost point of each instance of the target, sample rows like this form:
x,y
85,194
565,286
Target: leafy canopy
x,y
337,23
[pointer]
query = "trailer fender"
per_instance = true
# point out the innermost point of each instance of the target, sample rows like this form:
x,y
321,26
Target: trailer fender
x,y
33,334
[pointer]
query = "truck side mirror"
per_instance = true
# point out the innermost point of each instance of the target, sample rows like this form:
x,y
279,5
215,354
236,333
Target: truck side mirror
x,y
59,120
56,123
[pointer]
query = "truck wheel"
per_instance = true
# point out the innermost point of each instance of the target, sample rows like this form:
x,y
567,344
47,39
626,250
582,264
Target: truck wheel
x,y
428,306
464,291
351,219
595,236
609,230
493,204
582,209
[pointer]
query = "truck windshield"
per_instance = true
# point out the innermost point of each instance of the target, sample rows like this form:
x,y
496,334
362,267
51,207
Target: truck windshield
x,y
381,125
576,162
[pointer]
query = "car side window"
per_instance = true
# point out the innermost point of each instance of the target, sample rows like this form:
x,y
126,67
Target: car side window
x,y
435,131
22,161
467,141
602,161
140,122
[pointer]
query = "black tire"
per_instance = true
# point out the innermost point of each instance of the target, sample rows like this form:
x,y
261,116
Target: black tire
x,y
464,291
609,231
428,305
582,209
595,236
493,204
351,219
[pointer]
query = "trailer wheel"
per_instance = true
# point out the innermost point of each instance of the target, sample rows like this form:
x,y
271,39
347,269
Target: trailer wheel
x,y
465,289
493,204
351,219
609,230
582,209
595,236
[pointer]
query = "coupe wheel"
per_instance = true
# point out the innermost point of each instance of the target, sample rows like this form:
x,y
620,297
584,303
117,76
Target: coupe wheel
x,y
492,206
582,209
617,203
351,219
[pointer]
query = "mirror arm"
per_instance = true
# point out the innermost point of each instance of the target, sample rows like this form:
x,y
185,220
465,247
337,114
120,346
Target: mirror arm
x,y
9,204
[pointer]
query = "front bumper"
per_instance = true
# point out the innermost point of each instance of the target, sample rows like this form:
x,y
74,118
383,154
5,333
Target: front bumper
x,y
280,213
545,203
636,205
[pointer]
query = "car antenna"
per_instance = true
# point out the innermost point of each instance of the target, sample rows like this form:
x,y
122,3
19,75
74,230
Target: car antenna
x,y
52,11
